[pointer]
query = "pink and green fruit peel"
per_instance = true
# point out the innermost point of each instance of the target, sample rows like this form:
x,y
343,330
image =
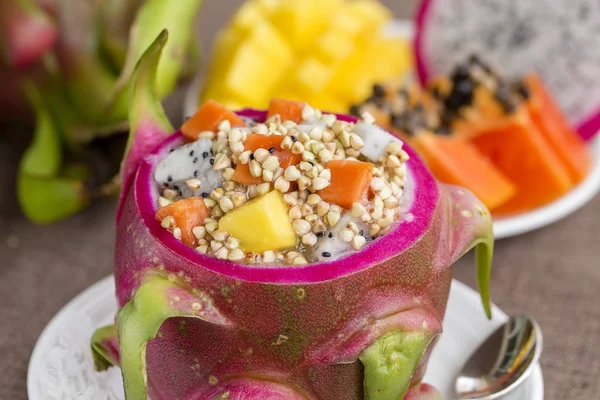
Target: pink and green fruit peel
x,y
105,348
423,392
44,192
79,57
361,327
27,32
148,123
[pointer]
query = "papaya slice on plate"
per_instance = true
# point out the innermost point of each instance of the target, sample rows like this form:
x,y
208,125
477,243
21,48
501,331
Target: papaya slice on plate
x,y
459,162
555,128
518,149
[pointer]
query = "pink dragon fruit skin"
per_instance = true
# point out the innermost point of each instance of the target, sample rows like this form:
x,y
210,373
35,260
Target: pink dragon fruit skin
x,y
193,327
27,32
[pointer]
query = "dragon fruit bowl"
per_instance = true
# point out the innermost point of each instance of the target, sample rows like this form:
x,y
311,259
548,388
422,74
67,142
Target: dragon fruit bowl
x,y
191,326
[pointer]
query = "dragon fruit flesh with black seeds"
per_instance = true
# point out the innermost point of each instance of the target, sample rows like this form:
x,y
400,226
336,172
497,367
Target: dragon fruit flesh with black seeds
x,y
557,39
192,161
191,326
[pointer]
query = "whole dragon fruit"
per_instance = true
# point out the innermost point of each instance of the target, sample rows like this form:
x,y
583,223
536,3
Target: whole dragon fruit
x,y
191,326
72,61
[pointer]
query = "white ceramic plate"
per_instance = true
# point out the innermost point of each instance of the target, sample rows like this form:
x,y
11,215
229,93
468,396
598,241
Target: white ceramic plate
x,y
61,365
504,227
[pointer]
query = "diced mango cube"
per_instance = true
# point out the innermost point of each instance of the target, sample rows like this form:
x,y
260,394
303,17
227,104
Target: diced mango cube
x,y
311,76
301,22
327,52
372,13
224,49
247,69
247,16
348,23
272,44
328,103
261,224
334,46
269,7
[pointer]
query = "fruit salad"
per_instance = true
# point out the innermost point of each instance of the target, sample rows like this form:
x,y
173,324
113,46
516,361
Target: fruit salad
x,y
300,187
505,140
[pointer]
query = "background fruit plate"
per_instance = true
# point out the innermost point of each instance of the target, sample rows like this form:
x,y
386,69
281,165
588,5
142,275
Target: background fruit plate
x,y
503,227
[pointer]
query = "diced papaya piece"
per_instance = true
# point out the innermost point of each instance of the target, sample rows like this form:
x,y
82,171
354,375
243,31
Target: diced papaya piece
x,y
517,148
188,213
350,182
261,224
256,141
555,128
207,118
458,162
288,110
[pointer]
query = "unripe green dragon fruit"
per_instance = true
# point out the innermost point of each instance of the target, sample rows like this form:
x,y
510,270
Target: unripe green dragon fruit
x,y
73,60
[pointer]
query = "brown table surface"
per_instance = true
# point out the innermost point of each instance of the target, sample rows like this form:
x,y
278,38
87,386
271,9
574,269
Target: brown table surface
x,y
552,274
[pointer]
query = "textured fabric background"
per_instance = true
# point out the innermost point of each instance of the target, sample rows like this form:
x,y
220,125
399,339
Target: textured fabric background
x,y
553,274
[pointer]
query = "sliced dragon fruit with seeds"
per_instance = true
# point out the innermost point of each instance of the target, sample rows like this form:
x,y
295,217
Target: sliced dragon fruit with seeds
x,y
330,246
194,160
555,38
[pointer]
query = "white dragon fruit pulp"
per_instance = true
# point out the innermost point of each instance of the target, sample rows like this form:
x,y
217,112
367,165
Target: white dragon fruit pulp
x,y
375,138
193,160
306,127
330,246
556,39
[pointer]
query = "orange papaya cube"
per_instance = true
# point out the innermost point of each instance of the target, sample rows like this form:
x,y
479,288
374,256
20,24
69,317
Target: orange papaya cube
x,y
272,143
288,110
187,213
350,181
557,131
207,118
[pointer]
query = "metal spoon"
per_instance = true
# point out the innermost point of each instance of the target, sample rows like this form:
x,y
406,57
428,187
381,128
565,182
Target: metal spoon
x,y
497,369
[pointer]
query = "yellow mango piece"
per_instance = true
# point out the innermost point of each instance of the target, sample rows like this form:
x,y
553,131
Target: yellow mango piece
x,y
258,64
397,61
272,45
246,71
269,7
327,52
224,49
247,16
348,23
330,103
334,46
261,224
302,21
372,13
311,77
